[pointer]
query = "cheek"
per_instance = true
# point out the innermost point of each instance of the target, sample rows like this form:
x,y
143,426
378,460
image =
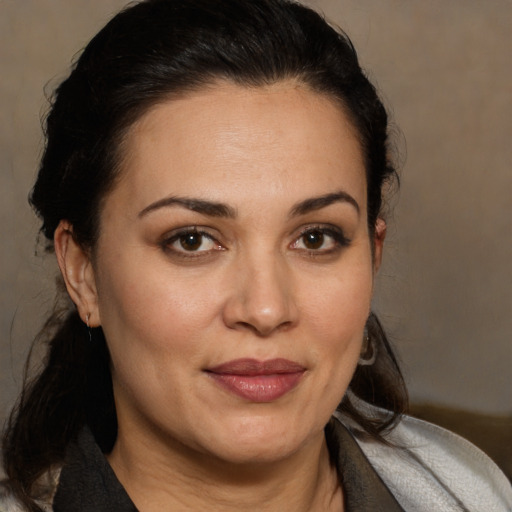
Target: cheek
x,y
340,303
336,313
144,308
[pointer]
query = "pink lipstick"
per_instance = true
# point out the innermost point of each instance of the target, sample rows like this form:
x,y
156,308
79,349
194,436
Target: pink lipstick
x,y
258,381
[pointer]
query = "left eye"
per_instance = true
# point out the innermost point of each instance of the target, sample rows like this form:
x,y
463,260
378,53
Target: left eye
x,y
319,239
192,241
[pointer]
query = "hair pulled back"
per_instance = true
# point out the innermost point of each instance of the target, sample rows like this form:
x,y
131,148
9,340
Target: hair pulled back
x,y
150,52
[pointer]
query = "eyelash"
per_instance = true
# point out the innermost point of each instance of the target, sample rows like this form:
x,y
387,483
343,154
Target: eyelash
x,y
336,234
167,243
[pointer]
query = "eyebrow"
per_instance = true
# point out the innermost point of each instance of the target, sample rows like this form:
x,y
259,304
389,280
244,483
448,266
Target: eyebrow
x,y
210,208
317,203
214,209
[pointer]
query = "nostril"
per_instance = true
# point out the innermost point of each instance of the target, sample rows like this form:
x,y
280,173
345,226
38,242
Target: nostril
x,y
263,331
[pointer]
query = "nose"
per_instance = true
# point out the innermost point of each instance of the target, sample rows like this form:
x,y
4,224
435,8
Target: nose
x,y
262,297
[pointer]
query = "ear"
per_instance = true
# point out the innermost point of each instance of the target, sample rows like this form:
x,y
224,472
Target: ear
x,y
78,273
379,236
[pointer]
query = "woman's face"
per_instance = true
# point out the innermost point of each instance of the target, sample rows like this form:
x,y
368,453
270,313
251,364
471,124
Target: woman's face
x,y
234,271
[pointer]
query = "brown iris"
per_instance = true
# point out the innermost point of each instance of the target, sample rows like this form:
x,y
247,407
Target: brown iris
x,y
313,239
191,241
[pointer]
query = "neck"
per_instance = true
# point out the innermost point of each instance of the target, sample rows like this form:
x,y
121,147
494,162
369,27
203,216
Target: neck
x,y
174,477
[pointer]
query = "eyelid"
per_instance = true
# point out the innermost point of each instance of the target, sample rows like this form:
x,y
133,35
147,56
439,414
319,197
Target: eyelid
x,y
333,231
171,237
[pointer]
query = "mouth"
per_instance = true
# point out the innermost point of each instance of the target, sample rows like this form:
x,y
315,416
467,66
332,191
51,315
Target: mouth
x,y
258,381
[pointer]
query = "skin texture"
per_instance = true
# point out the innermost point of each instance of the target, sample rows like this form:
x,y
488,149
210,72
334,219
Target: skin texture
x,y
252,287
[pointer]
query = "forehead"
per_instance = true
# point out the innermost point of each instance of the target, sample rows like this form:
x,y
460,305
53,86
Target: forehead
x,y
228,140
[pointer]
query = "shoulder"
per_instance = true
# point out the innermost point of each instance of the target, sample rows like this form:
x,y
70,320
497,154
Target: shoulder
x,y
45,489
8,503
429,468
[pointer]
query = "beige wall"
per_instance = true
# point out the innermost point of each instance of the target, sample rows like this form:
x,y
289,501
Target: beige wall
x,y
445,290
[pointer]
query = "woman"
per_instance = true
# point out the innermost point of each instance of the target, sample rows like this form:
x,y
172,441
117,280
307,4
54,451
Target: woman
x,y
212,188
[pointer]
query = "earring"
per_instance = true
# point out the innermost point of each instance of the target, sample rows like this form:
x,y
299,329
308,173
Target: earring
x,y
368,350
88,326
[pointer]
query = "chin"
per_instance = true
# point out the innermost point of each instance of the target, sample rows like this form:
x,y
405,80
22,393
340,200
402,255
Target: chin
x,y
254,441
262,452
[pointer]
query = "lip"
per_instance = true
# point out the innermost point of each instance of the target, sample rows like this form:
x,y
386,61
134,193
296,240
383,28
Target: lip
x,y
258,381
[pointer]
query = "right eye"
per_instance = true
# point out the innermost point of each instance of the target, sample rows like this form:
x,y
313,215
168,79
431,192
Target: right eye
x,y
191,241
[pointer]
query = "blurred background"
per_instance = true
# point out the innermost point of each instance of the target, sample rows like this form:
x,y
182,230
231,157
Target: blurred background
x,y
445,290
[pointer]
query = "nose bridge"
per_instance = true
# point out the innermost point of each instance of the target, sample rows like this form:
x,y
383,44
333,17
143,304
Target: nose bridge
x,y
262,299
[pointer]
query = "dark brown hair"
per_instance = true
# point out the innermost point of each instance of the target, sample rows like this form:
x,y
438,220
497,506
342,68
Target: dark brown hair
x,y
144,55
